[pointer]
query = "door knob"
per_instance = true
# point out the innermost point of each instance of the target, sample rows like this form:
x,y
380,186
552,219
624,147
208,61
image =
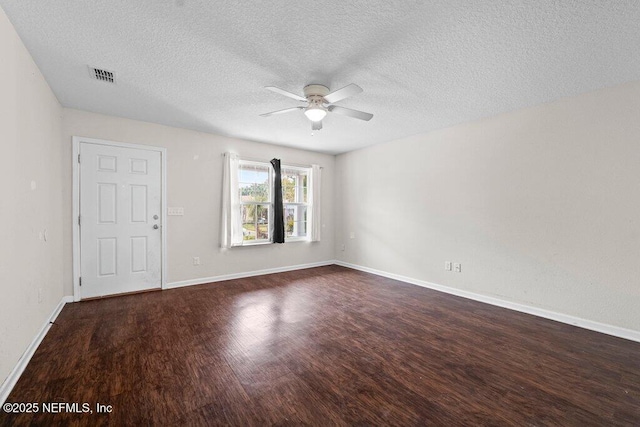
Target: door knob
x,y
155,226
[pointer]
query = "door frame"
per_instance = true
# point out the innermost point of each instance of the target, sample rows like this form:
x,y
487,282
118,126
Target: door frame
x,y
76,141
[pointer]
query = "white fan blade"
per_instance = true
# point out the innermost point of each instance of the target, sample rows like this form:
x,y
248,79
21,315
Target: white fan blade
x,y
316,125
285,93
343,93
286,110
351,113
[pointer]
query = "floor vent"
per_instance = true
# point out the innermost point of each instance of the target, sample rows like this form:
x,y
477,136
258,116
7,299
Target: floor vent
x,y
102,75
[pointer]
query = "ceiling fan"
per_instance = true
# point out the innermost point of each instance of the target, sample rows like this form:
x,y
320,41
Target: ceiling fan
x,y
320,102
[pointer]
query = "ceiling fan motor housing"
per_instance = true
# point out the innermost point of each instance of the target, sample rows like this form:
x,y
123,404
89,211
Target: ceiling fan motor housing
x,y
315,91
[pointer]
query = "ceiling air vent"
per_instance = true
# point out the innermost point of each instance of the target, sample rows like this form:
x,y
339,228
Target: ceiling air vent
x,y
102,75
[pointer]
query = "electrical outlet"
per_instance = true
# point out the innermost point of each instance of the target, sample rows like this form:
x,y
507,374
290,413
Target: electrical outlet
x,y
343,247
457,267
447,265
196,260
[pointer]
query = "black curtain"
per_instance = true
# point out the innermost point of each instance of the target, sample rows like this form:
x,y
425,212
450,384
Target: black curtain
x,y
278,207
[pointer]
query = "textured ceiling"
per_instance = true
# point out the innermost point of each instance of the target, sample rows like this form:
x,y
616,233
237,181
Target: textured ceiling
x,y
423,65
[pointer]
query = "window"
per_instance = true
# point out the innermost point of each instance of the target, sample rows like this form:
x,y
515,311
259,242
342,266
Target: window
x,y
247,202
254,182
295,199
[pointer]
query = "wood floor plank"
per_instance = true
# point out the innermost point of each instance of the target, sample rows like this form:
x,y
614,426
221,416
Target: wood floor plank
x,y
324,346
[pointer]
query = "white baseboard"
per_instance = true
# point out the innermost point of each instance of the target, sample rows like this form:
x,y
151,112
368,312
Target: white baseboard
x,y
615,331
204,280
17,371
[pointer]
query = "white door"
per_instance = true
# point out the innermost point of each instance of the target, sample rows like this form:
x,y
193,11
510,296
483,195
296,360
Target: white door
x,y
120,213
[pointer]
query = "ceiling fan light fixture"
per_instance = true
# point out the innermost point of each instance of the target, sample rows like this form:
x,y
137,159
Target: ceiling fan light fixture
x,y
315,113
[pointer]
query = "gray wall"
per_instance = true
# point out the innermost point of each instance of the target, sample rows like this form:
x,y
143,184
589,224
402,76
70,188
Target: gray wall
x,y
194,181
541,206
30,206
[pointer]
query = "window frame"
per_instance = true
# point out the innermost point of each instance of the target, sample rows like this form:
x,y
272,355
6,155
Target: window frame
x,y
269,202
307,204
270,180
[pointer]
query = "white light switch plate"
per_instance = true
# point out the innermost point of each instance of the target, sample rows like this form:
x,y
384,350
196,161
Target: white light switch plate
x,y
175,211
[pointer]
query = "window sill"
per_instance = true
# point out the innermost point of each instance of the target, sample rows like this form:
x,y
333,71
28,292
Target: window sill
x,y
289,240
296,239
253,244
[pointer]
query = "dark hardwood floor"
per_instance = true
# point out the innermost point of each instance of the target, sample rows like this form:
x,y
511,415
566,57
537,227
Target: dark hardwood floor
x,y
324,346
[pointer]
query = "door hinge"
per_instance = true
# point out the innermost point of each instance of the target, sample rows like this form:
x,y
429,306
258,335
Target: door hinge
x,y
78,158
80,281
78,219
